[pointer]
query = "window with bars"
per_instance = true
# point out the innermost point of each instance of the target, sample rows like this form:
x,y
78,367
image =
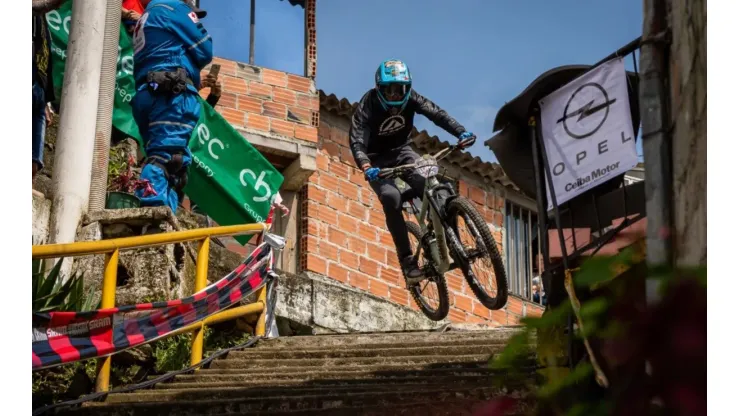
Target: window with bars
x,y
522,251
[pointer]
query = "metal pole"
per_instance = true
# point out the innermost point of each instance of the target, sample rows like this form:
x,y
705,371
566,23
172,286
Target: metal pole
x,y
561,236
624,50
544,236
76,135
99,177
261,327
201,280
107,300
251,32
655,140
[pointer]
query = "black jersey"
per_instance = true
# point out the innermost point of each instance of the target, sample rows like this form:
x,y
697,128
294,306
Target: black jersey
x,y
375,131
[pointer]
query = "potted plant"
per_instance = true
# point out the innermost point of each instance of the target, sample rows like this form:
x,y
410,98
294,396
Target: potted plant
x,y
123,180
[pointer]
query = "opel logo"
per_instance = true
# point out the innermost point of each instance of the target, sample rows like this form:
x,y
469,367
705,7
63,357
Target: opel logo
x,y
597,106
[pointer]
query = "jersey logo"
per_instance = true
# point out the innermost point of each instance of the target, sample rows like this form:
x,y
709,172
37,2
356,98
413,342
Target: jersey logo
x,y
139,37
392,125
193,17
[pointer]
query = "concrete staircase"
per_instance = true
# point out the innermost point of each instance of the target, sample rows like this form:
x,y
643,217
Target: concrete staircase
x,y
407,373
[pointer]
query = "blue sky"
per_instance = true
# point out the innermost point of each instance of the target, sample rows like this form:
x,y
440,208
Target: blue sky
x,y
468,56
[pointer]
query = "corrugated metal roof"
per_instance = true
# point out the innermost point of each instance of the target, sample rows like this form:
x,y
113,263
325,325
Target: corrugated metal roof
x,y
488,172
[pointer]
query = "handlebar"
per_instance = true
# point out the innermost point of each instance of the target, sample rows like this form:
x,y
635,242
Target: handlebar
x,y
390,172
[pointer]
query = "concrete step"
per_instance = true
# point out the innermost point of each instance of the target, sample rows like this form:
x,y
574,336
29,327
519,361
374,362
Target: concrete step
x,y
351,361
362,352
418,343
369,381
310,369
265,392
321,341
420,373
450,407
383,373
185,405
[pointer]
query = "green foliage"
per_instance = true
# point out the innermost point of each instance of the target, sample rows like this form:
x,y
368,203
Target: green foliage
x,y
50,294
126,375
218,340
119,165
173,353
64,382
625,334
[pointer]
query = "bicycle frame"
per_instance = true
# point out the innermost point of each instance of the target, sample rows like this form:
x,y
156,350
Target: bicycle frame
x,y
438,243
441,256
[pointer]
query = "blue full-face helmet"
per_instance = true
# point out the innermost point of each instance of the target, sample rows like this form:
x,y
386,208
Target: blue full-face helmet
x,y
393,83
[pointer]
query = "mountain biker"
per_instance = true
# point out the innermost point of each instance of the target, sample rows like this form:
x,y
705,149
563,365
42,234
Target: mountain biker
x,y
171,47
380,137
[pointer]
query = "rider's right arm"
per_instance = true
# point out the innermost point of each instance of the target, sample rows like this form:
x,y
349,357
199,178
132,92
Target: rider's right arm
x,y
359,132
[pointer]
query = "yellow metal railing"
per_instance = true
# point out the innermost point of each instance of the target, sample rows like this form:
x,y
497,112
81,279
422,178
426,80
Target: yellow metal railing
x,y
111,248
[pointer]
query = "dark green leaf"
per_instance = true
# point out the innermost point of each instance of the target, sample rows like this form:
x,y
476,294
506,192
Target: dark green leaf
x,y
582,371
516,347
600,269
47,287
551,318
594,307
37,275
63,293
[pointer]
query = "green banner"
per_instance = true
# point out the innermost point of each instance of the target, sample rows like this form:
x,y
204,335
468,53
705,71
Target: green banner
x,y
59,25
230,180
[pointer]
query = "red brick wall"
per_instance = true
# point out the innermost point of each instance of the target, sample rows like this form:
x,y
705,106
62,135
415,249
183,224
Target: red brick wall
x,y
266,100
344,234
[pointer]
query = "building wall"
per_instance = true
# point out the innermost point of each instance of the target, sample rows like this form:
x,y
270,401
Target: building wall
x,y
344,235
266,100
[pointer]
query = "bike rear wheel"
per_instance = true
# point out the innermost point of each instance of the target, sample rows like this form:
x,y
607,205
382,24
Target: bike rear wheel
x,y
431,294
480,263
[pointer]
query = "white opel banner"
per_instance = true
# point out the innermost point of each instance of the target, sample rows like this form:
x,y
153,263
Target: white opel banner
x,y
587,130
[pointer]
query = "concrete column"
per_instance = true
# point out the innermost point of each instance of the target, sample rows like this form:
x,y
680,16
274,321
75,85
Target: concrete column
x,y
76,136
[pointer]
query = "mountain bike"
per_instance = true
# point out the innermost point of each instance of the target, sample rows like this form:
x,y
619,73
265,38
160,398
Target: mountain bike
x,y
441,215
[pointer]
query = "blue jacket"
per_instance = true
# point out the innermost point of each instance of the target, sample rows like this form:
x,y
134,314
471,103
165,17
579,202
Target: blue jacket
x,y
170,36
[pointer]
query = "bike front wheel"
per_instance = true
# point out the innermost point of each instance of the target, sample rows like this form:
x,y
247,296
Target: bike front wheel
x,y
479,258
431,294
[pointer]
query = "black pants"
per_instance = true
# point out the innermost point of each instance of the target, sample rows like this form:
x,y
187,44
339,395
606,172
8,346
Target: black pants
x,y
390,196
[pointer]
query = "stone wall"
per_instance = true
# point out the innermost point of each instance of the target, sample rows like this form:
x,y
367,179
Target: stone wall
x,y
40,215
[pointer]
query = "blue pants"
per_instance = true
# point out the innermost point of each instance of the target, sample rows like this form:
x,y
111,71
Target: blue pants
x,y
38,128
166,123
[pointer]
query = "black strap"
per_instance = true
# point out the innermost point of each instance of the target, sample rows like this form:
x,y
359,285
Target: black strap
x,y
168,82
174,169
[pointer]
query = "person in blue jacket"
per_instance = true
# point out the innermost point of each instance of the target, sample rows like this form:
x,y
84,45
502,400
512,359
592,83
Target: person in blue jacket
x,y
171,47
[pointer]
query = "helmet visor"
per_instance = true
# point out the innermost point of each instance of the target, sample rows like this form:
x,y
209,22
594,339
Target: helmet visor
x,y
393,92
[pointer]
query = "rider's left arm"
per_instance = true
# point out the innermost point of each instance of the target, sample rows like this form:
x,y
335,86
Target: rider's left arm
x,y
436,115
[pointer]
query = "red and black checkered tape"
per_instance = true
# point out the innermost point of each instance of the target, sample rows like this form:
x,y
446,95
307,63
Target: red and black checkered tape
x,y
64,337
